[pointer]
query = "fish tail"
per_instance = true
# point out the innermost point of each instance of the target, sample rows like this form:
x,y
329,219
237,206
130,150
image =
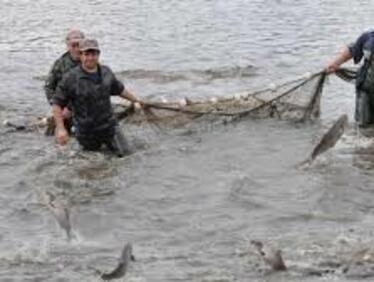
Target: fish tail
x,y
305,163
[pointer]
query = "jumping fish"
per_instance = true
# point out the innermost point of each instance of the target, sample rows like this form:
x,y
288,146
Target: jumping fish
x,y
123,264
23,125
329,139
271,256
14,124
60,212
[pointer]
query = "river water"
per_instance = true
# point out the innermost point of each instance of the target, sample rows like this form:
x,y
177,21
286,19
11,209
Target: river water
x,y
189,203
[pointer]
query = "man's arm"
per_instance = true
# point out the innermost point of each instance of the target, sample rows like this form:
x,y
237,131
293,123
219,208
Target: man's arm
x,y
59,101
344,56
353,51
61,133
117,88
53,77
128,95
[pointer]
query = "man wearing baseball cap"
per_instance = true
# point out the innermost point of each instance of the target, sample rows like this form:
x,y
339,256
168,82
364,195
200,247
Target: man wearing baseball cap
x,y
88,88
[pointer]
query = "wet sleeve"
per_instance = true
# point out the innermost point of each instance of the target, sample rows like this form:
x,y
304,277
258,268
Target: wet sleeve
x,y
117,87
357,48
62,93
52,80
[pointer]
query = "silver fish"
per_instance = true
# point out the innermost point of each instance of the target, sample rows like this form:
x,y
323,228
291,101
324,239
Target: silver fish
x,y
17,125
60,212
123,264
330,138
271,256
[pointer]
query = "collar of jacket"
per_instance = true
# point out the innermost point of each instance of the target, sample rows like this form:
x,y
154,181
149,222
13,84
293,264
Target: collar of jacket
x,y
84,74
70,58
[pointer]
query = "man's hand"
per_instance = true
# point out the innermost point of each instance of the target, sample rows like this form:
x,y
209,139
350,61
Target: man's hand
x,y
332,67
132,98
66,113
343,57
62,136
139,104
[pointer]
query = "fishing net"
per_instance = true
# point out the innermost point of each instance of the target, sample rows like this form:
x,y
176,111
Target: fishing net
x,y
347,74
297,99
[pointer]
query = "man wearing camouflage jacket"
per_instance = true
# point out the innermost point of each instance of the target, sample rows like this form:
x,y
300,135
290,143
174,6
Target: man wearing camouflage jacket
x,y
66,62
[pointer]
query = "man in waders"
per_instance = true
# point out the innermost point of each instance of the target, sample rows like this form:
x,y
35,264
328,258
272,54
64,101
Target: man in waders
x,y
363,48
88,88
69,60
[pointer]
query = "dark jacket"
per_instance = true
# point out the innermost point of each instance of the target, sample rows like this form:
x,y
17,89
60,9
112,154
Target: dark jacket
x,y
363,48
90,99
61,66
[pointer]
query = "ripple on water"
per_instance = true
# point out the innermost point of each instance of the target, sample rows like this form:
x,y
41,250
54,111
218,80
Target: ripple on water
x,y
186,208
246,193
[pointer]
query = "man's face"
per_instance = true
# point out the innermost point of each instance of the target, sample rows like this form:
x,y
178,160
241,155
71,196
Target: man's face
x,y
90,59
73,48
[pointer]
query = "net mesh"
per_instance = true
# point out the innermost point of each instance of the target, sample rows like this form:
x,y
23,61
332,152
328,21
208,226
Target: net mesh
x,y
297,99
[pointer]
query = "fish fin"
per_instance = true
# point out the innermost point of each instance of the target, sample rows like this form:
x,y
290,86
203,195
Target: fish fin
x,y
126,249
305,163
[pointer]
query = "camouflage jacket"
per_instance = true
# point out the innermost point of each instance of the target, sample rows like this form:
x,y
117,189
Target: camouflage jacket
x,y
59,68
89,97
